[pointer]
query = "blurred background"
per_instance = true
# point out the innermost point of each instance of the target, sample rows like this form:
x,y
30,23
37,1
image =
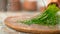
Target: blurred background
x,y
18,7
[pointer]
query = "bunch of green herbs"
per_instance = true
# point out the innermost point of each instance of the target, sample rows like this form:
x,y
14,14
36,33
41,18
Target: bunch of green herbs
x,y
49,17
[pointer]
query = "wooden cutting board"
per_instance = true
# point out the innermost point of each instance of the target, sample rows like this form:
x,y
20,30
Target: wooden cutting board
x,y
33,28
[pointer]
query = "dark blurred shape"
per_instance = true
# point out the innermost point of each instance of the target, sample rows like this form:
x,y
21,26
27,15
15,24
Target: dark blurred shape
x,y
53,3
14,5
3,5
58,3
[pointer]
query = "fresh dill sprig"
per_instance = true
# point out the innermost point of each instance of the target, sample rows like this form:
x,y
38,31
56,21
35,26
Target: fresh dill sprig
x,y
49,17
